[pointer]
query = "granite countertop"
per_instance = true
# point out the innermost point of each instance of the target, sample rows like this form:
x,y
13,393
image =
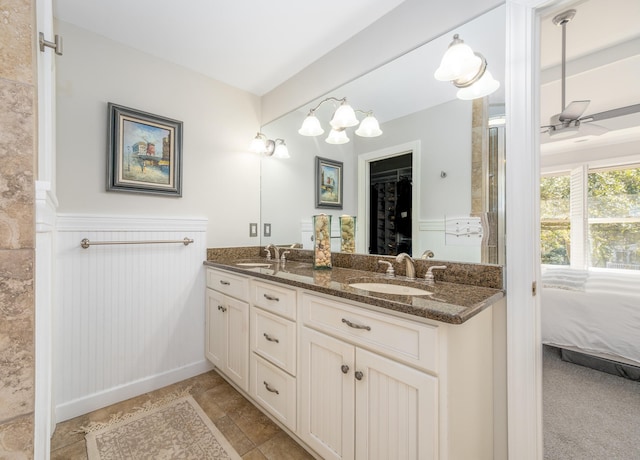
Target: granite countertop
x,y
452,303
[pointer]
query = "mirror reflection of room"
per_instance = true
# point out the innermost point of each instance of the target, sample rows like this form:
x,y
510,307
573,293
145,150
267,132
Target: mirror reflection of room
x,y
455,210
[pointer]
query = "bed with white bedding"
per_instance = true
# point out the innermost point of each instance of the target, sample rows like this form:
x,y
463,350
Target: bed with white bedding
x,y
593,312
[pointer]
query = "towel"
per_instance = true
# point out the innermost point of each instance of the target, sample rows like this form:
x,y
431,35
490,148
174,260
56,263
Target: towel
x,y
565,278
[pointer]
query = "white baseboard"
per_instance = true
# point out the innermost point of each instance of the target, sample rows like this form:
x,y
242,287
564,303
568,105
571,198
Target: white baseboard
x,y
96,401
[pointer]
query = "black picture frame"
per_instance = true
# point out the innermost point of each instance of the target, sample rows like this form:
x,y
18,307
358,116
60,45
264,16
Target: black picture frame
x,y
144,152
328,183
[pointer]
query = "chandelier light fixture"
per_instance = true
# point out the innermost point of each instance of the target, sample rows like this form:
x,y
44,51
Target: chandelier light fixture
x,y
467,70
276,148
344,117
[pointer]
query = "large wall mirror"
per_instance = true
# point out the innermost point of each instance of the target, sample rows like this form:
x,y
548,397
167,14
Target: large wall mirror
x,y
442,145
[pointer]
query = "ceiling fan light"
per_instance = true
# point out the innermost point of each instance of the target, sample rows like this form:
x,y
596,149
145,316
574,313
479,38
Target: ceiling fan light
x,y
344,117
369,127
459,60
337,136
483,87
311,126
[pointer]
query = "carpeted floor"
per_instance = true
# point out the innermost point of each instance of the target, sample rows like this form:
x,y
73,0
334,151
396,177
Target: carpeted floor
x,y
588,414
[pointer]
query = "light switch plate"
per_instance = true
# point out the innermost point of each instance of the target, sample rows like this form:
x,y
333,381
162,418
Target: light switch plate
x,y
267,230
253,229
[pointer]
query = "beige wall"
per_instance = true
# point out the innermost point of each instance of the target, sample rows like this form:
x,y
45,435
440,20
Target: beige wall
x,y
220,177
17,229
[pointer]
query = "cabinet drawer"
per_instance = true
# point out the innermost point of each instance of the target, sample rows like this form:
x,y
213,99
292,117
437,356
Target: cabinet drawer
x,y
227,283
275,390
274,338
402,340
276,299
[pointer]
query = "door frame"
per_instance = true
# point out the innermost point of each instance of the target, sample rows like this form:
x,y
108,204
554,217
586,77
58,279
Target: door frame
x,y
364,182
524,351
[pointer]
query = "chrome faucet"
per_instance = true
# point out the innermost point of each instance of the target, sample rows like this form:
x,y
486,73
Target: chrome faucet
x,y
276,251
410,265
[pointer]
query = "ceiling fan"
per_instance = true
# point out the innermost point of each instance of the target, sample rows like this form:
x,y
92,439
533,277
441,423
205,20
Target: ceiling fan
x,y
571,122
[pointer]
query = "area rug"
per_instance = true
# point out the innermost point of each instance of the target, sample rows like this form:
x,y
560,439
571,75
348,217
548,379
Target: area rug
x,y
178,429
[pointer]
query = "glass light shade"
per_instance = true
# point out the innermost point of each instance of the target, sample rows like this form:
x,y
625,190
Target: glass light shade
x,y
344,117
369,127
281,150
459,60
258,144
483,87
311,126
337,136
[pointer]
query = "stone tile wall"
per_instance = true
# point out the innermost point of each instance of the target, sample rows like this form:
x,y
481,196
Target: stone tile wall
x,y
18,138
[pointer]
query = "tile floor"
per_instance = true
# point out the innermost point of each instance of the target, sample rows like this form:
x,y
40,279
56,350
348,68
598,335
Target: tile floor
x,y
250,432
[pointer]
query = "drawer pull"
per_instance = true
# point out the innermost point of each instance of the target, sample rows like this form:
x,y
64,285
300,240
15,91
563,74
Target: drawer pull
x,y
270,339
270,297
344,368
225,283
272,390
222,309
358,375
355,326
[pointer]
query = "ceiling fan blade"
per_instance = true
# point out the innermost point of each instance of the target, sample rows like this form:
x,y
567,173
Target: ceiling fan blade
x,y
619,112
589,129
574,110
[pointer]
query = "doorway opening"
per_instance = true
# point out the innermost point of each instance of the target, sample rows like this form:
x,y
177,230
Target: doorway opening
x,y
390,213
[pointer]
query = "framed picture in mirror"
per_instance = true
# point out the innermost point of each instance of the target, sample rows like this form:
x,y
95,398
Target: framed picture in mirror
x,y
328,183
145,152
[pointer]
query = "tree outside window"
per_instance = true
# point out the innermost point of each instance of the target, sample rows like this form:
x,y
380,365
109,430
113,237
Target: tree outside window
x,y
613,218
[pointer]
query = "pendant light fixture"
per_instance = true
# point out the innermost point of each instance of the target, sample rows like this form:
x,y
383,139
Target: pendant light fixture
x,y
344,117
467,70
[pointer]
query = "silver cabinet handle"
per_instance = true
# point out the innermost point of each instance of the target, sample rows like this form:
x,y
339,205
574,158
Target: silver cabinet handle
x,y
222,309
344,368
270,297
358,375
270,339
355,326
272,390
225,283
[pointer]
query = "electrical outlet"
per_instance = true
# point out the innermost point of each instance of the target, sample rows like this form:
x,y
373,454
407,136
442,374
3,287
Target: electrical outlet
x,y
267,230
253,229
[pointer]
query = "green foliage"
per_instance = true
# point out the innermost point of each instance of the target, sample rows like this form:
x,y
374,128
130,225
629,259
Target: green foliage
x,y
612,195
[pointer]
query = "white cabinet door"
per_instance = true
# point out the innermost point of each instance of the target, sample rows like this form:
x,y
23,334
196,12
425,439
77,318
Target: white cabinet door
x,y
396,410
327,395
216,328
237,345
227,340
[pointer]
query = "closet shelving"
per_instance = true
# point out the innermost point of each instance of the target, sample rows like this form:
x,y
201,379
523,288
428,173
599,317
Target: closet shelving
x,y
384,237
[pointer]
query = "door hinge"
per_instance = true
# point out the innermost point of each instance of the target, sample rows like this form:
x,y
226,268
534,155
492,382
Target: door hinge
x,y
534,288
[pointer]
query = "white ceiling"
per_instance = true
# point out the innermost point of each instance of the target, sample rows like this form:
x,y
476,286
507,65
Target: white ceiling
x,y
603,66
254,45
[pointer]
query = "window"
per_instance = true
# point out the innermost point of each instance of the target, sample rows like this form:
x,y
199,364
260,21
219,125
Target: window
x,y
555,223
591,218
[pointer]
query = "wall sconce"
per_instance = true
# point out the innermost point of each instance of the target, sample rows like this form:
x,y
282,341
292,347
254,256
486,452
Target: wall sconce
x,y
467,70
275,148
344,117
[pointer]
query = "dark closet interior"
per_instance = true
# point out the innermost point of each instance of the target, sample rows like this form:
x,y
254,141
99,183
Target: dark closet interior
x,y
390,200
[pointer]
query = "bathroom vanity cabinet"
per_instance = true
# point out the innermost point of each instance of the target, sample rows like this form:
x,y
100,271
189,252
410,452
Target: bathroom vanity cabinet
x,y
349,380
227,323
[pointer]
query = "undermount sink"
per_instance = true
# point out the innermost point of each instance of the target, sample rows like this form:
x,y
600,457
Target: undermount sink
x,y
385,288
254,264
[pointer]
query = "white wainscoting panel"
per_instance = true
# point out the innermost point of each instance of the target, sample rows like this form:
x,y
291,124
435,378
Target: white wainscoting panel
x,y
130,318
